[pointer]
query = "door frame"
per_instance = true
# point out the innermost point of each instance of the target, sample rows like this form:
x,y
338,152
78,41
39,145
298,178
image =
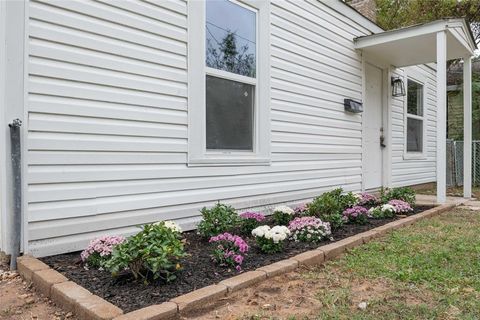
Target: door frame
x,y
386,119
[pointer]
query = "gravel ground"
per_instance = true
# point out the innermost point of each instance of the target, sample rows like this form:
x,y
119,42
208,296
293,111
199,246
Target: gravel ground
x,y
18,301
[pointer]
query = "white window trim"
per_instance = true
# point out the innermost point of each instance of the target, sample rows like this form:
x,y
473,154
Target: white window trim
x,y
197,71
411,155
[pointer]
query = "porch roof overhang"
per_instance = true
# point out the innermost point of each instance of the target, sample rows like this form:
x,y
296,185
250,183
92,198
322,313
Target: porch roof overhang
x,y
417,44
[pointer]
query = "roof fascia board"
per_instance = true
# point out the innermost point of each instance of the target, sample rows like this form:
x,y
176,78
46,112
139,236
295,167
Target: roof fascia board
x,y
460,40
399,34
468,31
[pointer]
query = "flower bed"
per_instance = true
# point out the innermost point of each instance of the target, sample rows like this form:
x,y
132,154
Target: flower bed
x,y
198,268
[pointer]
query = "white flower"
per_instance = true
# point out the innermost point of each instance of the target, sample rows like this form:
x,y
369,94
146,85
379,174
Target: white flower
x,y
388,207
276,234
276,238
260,231
284,209
172,225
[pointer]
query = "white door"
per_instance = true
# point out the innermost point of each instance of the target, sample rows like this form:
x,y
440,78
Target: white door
x,y
372,116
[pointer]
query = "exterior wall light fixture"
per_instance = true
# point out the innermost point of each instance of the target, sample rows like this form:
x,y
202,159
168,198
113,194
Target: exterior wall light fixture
x,y
398,87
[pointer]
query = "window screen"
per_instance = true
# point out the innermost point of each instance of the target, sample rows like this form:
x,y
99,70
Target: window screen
x,y
229,114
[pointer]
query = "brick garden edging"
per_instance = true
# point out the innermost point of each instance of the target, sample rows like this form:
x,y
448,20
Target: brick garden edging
x,y
87,306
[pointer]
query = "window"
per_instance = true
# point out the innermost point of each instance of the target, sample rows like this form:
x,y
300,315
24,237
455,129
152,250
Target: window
x,y
414,117
230,54
229,63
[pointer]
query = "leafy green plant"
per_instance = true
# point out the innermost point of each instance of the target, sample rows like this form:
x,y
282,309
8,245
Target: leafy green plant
x,y
406,194
249,221
330,206
221,218
154,252
282,215
348,200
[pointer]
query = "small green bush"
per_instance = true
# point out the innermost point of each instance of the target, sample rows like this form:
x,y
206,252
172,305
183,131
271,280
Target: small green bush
x,y
406,194
154,252
219,219
282,215
330,206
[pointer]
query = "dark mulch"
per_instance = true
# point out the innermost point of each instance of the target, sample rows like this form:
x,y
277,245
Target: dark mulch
x,y
198,269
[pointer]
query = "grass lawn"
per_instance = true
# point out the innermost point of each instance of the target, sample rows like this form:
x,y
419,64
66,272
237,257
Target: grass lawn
x,y
430,270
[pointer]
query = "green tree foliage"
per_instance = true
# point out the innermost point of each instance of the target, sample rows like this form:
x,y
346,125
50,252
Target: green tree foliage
x,y
393,14
227,55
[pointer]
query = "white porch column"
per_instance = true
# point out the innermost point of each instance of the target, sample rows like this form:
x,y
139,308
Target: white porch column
x,y
467,127
441,116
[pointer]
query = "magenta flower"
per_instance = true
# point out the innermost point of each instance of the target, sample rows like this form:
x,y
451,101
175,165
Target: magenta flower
x,y
252,215
229,250
356,214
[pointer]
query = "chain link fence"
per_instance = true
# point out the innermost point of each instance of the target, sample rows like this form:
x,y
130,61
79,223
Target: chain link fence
x,y
455,163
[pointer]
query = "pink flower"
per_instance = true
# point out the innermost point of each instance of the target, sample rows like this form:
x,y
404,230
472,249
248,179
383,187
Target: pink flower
x,y
356,212
301,209
103,246
367,199
230,249
310,229
252,215
400,206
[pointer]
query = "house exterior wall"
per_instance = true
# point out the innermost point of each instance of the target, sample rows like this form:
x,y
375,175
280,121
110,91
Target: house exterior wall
x,y
107,118
406,169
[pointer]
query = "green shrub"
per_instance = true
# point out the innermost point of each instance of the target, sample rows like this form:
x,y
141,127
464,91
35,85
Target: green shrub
x,y
154,252
406,194
219,219
330,206
282,215
249,221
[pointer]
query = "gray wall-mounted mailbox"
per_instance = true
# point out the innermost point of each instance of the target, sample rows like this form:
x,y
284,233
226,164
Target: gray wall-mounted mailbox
x,y
353,106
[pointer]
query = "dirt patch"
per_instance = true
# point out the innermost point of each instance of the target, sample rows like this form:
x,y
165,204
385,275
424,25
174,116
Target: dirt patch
x,y
20,302
198,269
285,295
300,295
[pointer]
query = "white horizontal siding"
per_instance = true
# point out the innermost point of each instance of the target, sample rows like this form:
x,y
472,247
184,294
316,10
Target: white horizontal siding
x,y
407,171
107,102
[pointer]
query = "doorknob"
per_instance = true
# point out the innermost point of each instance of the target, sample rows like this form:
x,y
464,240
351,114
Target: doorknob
x,y
382,138
382,141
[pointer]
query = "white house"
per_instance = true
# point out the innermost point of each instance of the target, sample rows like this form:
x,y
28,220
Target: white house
x,y
139,111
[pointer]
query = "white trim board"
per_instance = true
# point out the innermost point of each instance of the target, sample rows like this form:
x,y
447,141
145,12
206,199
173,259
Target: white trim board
x,y
197,152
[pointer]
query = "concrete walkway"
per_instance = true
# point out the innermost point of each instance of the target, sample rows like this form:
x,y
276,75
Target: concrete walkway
x,y
423,199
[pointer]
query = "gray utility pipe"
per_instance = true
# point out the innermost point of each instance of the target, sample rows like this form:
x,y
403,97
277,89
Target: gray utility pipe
x,y
16,152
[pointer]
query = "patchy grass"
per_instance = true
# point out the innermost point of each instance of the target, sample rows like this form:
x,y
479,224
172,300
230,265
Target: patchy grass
x,y
451,191
430,270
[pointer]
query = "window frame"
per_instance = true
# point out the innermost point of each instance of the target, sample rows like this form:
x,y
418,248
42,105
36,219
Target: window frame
x,y
415,155
198,155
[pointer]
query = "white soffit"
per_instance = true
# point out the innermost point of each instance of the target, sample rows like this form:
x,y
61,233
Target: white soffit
x,y
417,44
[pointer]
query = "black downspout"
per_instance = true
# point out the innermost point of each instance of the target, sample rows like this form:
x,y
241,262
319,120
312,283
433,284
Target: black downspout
x,y
17,191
